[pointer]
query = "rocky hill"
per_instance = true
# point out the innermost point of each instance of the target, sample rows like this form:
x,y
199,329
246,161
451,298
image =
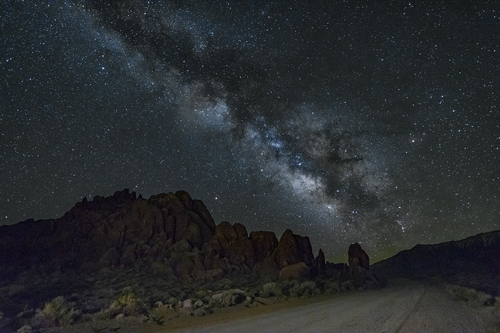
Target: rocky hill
x,y
473,262
154,260
170,233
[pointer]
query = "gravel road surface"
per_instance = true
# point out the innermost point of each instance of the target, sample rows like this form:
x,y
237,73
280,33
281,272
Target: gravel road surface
x,y
409,307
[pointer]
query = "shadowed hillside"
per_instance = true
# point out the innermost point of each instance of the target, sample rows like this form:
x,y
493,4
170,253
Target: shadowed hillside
x,y
472,262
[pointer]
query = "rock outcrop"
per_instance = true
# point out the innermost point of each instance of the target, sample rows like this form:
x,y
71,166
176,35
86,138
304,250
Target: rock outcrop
x,y
357,257
320,261
359,267
170,233
264,242
293,249
295,271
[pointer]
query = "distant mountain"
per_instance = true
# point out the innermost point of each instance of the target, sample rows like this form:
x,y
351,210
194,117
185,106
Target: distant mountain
x,y
170,233
473,261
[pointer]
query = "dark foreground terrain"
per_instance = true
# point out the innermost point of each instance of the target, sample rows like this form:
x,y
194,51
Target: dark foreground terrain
x,y
129,264
155,259
403,306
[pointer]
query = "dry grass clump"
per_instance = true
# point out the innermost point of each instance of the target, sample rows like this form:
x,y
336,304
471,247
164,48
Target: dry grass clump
x,y
473,297
332,287
292,288
272,289
126,299
126,303
304,289
55,313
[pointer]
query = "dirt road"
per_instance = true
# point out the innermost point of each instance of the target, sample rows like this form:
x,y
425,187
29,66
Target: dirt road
x,y
409,307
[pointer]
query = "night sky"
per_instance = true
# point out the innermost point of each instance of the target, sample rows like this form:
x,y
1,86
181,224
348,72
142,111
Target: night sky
x,y
347,121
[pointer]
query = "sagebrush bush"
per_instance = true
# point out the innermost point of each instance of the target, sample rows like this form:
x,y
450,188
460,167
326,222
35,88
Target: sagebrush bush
x,y
271,289
55,313
471,296
305,289
126,303
332,287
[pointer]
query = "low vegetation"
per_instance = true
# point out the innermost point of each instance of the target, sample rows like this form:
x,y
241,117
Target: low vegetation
x,y
118,294
57,312
473,297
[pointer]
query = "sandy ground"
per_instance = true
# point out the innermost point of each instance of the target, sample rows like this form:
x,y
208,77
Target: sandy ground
x,y
402,307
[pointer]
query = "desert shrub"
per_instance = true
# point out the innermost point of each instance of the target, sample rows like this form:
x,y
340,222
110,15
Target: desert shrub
x,y
471,296
198,294
126,303
173,301
225,284
286,285
347,285
25,329
14,289
227,298
332,287
271,289
55,313
305,289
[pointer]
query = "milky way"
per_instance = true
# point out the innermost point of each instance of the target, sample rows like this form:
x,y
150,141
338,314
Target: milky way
x,y
342,121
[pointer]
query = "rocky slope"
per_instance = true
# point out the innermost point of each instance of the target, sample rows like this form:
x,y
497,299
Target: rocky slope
x,y
473,262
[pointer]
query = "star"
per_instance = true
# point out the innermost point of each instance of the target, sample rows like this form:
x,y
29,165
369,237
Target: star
x,y
374,124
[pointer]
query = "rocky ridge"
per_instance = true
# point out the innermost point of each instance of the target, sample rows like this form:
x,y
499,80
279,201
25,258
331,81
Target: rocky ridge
x,y
471,262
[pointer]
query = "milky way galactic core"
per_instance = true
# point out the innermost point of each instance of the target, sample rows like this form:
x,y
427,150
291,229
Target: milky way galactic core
x,y
343,121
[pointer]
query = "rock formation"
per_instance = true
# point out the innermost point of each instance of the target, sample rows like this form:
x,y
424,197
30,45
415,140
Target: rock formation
x,y
293,249
171,233
295,271
320,261
168,247
357,257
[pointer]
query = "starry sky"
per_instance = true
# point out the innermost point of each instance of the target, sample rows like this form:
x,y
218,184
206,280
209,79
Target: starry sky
x,y
346,121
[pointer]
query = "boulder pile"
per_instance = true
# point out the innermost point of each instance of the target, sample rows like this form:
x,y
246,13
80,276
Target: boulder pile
x,y
170,233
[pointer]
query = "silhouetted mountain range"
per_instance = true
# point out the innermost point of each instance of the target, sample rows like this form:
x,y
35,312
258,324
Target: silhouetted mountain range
x,y
473,261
